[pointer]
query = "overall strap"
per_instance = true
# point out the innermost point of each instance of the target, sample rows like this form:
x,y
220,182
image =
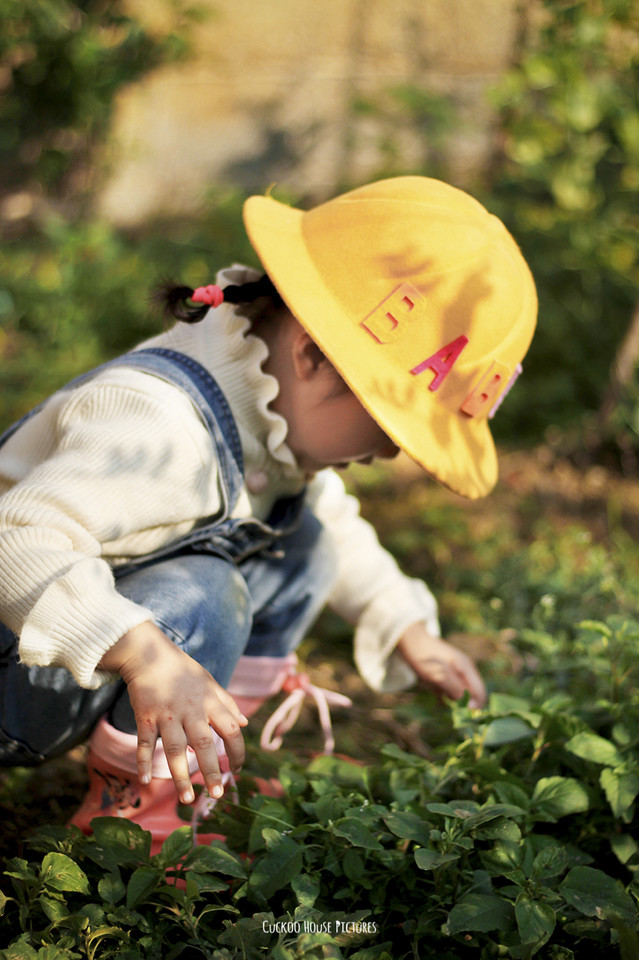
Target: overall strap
x,y
203,391
206,395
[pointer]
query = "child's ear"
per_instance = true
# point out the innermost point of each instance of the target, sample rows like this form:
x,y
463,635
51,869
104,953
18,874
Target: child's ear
x,y
308,359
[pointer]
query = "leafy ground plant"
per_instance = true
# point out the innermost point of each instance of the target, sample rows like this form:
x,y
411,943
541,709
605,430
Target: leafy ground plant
x,y
516,839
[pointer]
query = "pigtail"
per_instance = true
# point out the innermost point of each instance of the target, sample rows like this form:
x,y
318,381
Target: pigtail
x,y
176,303
252,291
189,305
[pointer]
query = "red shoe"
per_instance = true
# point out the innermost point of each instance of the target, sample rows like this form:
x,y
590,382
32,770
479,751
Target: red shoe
x,y
115,791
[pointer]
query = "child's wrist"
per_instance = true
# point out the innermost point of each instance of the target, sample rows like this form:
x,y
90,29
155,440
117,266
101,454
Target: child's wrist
x,y
132,648
415,634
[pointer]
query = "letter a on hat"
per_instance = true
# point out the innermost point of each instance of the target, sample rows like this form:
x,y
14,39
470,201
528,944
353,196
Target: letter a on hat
x,y
442,362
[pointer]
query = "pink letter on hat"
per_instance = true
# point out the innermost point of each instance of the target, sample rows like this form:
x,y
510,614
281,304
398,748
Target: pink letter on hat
x,y
442,362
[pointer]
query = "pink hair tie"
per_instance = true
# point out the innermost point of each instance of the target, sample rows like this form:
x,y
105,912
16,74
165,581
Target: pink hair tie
x,y
212,295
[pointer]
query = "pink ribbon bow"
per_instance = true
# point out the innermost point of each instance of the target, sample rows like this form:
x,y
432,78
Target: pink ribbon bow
x,y
212,295
298,686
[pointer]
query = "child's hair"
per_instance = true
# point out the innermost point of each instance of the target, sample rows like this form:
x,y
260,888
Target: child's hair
x,y
174,299
265,305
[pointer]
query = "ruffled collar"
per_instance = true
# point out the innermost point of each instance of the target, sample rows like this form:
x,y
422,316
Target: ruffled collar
x,y
223,343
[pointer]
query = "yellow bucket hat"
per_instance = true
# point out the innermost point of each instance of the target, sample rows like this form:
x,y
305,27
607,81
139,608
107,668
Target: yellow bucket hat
x,y
422,301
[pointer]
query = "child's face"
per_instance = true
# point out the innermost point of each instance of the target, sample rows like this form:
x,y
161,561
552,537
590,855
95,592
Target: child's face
x,y
331,428
339,431
327,425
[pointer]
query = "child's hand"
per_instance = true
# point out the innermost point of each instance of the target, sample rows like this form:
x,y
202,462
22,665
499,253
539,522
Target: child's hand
x,y
440,665
175,698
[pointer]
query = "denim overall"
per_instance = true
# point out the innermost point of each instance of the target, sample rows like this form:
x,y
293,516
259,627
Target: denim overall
x,y
229,588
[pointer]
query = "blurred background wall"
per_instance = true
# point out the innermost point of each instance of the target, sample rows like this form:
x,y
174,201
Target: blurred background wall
x,y
309,95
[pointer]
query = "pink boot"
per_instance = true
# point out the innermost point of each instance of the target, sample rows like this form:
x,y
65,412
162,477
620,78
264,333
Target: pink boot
x,y
115,791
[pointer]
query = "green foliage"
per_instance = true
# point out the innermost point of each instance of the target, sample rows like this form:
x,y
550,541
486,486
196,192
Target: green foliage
x,y
72,296
517,838
566,184
61,64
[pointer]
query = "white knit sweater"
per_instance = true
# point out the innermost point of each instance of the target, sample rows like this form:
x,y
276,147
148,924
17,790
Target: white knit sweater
x,y
124,464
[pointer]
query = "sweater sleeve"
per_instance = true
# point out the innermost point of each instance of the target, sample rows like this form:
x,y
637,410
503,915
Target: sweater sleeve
x,y
371,592
121,461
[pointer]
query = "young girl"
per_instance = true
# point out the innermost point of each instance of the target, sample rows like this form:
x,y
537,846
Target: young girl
x,y
171,524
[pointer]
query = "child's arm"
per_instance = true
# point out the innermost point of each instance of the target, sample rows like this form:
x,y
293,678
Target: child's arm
x,y
116,467
441,665
175,698
397,630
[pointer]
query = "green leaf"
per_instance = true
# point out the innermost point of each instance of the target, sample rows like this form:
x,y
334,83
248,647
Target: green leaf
x,y
52,953
511,793
278,866
192,887
550,862
177,845
306,889
408,826
354,865
628,939
504,859
501,830
479,912
624,847
430,859
205,883
292,781
216,858
20,869
356,833
595,626
535,921
143,882
621,790
450,810
122,837
555,797
341,771
590,746
111,888
55,910
19,951
394,752
507,703
507,730
595,894
61,873
281,952
491,811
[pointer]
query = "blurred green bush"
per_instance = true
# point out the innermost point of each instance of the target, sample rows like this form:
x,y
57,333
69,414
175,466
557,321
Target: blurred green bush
x,y
61,65
75,294
565,179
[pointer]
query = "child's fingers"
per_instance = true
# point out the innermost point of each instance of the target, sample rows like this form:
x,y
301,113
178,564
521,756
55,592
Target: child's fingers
x,y
200,738
147,739
476,688
231,705
452,684
174,742
471,680
227,727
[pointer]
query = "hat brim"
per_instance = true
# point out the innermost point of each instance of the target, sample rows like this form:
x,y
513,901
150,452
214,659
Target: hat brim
x,y
458,452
